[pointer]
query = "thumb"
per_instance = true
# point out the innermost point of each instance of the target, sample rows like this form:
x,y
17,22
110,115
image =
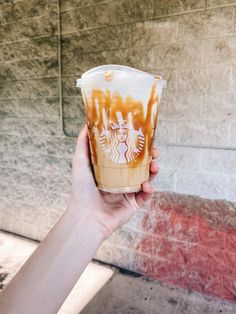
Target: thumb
x,y
82,152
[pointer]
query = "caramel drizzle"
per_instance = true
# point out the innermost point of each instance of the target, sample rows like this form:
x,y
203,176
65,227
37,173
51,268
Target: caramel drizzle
x,y
112,103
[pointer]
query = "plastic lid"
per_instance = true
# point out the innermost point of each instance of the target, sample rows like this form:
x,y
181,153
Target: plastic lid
x,y
109,68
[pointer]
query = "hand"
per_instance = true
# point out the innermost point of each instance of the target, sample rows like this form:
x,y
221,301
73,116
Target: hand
x,y
110,210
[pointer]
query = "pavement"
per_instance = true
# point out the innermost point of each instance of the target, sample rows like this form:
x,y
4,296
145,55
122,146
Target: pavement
x,y
103,289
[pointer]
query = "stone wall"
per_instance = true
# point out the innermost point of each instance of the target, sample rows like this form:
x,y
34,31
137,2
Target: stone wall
x,y
190,43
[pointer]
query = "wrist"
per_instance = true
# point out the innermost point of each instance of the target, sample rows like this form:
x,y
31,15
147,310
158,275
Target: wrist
x,y
87,219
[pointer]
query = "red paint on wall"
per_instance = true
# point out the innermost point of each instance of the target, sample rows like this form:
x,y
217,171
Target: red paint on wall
x,y
190,242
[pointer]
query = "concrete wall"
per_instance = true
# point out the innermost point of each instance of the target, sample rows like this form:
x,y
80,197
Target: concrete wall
x,y
191,43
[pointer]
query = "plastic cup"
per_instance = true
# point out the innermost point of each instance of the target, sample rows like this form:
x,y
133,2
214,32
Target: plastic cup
x,y
121,106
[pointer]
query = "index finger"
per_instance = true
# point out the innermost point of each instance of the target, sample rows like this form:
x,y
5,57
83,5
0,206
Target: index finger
x,y
155,153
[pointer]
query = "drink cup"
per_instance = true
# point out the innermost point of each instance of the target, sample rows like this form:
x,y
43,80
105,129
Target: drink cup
x,y
121,106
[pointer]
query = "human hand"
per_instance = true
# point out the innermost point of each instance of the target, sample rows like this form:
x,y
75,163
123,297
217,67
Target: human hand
x,y
110,210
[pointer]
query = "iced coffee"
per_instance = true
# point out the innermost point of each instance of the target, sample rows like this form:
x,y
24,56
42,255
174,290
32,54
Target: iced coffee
x,y
121,107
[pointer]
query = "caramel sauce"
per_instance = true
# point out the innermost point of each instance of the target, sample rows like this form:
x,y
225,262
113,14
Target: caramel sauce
x,y
113,103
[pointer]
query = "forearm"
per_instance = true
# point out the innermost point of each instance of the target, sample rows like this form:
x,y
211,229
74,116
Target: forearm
x,y
46,279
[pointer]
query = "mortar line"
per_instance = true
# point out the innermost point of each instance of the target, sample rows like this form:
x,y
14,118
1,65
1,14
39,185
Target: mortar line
x,y
87,6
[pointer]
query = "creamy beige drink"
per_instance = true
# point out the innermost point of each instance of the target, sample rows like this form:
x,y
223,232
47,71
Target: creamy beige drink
x,y
121,108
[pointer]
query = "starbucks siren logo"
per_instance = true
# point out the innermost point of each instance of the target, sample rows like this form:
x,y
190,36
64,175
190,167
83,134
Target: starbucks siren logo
x,y
121,142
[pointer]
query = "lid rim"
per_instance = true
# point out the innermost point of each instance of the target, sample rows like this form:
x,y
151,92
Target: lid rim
x,y
116,67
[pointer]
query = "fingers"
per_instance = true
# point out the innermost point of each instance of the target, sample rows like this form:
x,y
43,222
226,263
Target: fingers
x,y
145,194
82,148
155,153
154,169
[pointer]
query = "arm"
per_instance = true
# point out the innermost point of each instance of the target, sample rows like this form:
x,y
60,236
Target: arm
x,y
45,280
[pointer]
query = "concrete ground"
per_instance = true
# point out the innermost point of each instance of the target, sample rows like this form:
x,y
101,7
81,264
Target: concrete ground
x,y
106,290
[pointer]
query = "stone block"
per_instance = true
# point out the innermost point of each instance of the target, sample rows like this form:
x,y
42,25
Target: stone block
x,y
186,229
180,106
170,76
8,107
42,68
210,236
22,178
165,180
46,165
230,264
58,184
211,260
32,144
86,17
73,65
63,147
15,51
165,132
218,161
220,218
178,157
37,8
118,36
202,133
123,11
175,7
32,126
72,126
34,197
9,143
68,86
135,222
38,107
230,243
43,87
14,89
232,188
233,133
129,239
14,31
29,68
46,25
175,54
204,80
212,186
214,3
143,57
220,51
115,256
154,31
45,47
208,23
14,11
73,107
65,5
219,107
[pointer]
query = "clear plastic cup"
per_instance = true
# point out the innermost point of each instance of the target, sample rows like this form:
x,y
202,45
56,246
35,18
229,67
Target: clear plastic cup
x,y
121,106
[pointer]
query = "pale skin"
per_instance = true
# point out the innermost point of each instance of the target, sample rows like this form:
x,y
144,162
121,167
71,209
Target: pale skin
x,y
48,276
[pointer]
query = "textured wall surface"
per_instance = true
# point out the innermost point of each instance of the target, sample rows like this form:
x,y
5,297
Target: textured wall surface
x,y
190,43
193,45
182,240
